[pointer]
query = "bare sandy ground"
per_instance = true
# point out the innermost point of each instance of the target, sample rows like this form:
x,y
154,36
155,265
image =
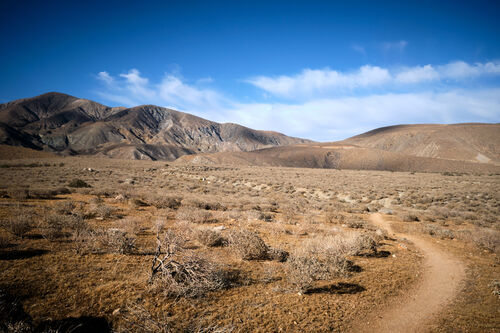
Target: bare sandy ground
x,y
443,277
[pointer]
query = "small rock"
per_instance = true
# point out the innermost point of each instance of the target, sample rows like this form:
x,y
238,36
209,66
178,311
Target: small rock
x,y
219,228
394,256
403,246
116,312
120,197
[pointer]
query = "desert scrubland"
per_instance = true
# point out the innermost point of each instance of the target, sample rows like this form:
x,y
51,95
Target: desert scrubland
x,y
143,246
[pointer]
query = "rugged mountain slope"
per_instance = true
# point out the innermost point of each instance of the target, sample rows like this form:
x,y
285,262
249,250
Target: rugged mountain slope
x,y
466,142
69,125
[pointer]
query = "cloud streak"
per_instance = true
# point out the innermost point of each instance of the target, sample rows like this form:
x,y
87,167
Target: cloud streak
x,y
318,82
338,118
132,89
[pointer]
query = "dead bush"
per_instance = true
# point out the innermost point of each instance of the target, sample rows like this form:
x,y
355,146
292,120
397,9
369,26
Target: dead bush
x,y
164,202
101,211
18,194
206,205
266,217
86,241
355,223
4,242
103,241
130,225
316,260
495,288
410,217
334,216
194,215
277,254
136,203
436,231
118,241
78,183
182,274
137,319
19,223
210,237
361,244
65,207
487,239
248,245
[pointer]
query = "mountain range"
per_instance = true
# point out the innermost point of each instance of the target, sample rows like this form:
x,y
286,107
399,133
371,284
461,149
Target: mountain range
x,y
72,126
67,125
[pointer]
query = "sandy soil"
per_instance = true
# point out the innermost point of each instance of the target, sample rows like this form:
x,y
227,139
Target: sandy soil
x,y
443,277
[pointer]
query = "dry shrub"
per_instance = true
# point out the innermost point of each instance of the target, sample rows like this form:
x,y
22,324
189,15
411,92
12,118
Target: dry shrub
x,y
130,225
188,214
317,259
210,237
334,216
103,241
52,225
86,241
164,202
410,217
495,288
4,242
266,217
185,274
437,231
100,210
487,239
248,245
78,183
20,222
136,203
355,223
137,319
277,254
18,194
191,275
118,241
65,207
206,205
360,244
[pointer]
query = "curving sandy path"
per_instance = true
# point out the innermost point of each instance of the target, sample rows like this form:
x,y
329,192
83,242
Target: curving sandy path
x,y
441,282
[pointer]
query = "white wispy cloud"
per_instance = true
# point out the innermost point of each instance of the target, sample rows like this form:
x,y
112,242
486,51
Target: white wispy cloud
x,y
318,82
398,46
132,89
105,77
417,74
339,118
311,81
359,48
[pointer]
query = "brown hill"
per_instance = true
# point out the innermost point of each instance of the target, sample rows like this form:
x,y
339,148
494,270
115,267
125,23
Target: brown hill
x,y
465,142
69,125
339,155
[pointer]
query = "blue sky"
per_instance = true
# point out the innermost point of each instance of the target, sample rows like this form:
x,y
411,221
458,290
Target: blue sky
x,y
322,70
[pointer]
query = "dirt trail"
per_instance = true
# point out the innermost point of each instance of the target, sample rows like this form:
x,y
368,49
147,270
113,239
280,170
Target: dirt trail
x,y
441,282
